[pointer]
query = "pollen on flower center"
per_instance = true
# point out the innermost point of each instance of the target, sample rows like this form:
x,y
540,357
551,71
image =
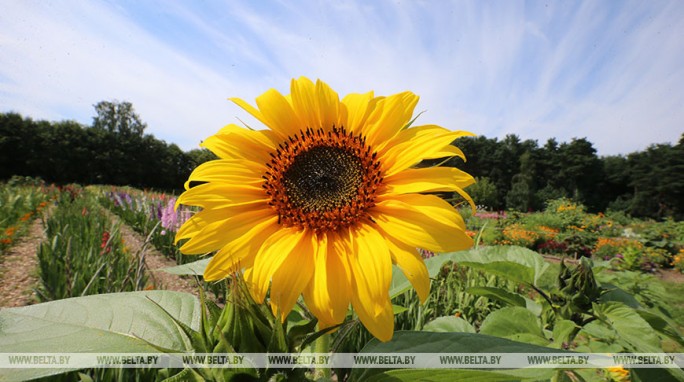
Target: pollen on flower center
x,y
323,180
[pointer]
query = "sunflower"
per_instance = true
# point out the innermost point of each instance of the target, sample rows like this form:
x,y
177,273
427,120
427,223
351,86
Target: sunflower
x,y
324,201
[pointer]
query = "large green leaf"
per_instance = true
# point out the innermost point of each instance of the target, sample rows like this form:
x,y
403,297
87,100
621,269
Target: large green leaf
x,y
614,293
513,322
449,324
562,332
192,269
638,336
133,322
428,342
515,263
631,328
662,325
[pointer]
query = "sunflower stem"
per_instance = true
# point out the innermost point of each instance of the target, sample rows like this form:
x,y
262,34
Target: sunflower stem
x,y
322,345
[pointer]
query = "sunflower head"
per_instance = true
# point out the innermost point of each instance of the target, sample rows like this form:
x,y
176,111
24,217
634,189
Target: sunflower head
x,y
325,200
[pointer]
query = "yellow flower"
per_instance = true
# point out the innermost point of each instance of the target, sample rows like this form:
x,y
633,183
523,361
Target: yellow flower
x,y
324,201
618,374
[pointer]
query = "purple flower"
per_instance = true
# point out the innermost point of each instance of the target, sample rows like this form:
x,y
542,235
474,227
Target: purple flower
x,y
425,253
169,217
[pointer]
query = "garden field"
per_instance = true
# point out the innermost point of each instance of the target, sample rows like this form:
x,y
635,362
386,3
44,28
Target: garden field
x,y
96,269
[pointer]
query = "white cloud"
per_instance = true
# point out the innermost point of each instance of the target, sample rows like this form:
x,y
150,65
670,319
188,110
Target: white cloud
x,y
611,72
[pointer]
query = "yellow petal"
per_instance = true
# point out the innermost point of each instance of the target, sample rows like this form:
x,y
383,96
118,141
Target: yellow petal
x,y
230,171
220,232
431,179
303,95
277,110
448,151
433,206
413,145
216,195
328,104
201,219
380,325
271,255
388,118
359,107
240,252
250,109
238,143
371,266
328,293
422,221
411,263
292,276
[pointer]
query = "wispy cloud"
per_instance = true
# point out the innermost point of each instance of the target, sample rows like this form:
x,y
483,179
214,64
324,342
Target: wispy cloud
x,y
608,71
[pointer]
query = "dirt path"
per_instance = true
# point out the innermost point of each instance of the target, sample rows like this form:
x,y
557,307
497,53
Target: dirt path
x,y
671,275
19,268
155,261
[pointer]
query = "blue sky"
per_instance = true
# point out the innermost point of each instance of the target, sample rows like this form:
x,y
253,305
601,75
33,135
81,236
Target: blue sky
x,y
610,71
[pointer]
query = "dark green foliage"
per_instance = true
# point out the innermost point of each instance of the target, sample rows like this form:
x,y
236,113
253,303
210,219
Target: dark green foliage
x,y
114,151
643,184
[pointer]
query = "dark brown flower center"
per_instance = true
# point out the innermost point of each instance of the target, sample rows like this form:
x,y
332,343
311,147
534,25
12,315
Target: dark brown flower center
x,y
323,180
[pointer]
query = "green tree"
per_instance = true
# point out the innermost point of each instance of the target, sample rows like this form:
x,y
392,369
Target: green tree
x,y
483,193
118,117
657,178
519,197
581,171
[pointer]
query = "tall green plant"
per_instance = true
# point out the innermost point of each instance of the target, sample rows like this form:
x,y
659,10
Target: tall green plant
x,y
83,253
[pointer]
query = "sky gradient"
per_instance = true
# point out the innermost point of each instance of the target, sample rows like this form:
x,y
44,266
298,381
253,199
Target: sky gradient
x,y
610,71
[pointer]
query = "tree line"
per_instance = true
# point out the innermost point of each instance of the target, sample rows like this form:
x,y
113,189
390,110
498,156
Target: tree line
x,y
511,173
113,150
521,175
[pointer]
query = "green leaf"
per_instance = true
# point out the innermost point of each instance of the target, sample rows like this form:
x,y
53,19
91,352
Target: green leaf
x,y
515,263
397,309
662,325
614,293
563,331
133,322
499,294
429,342
600,330
631,328
511,322
195,268
449,324
636,335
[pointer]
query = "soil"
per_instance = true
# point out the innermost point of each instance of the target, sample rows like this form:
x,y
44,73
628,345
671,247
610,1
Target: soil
x,y
671,275
19,268
155,262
